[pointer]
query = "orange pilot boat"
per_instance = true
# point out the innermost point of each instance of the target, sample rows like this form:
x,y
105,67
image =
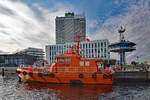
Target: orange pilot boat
x,y
69,68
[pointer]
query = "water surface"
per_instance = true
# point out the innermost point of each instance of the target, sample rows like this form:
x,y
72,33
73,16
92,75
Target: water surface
x,y
10,89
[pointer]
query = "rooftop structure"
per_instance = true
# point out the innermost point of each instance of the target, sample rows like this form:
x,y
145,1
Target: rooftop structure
x,y
122,46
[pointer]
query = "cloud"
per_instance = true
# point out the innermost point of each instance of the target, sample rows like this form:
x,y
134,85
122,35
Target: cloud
x,y
22,27
136,20
3,52
91,25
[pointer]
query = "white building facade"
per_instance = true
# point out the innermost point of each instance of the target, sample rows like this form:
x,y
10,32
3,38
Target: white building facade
x,y
93,49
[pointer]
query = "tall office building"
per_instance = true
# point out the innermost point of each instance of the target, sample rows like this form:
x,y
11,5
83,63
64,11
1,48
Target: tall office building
x,y
67,26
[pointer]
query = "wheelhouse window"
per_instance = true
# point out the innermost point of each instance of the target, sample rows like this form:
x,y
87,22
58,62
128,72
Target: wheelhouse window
x,y
87,63
81,63
60,60
68,60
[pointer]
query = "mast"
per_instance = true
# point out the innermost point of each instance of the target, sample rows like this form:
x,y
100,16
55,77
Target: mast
x,y
78,42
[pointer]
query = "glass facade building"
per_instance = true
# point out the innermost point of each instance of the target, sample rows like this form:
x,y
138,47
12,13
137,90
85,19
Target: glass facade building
x,y
14,60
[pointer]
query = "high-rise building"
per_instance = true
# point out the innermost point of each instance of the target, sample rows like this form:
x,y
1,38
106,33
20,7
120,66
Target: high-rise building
x,y
67,26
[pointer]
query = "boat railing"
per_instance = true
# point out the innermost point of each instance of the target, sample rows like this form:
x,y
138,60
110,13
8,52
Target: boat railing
x,y
41,68
35,68
24,66
76,69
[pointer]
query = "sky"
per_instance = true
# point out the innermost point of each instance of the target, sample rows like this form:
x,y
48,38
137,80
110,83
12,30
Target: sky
x,y
31,23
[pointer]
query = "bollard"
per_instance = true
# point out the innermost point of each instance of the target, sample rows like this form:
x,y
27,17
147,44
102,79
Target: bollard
x,y
19,79
3,71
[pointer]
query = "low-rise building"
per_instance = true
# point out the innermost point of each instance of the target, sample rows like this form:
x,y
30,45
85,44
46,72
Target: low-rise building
x,y
93,49
37,52
14,60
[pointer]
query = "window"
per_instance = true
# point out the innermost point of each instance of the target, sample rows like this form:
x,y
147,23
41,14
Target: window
x,y
95,50
98,55
92,46
83,46
105,44
86,51
68,60
105,55
105,50
102,44
95,45
6,61
87,63
60,60
86,45
81,63
98,44
98,51
101,49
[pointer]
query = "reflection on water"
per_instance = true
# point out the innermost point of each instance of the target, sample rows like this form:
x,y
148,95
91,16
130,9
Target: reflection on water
x,y
68,92
10,89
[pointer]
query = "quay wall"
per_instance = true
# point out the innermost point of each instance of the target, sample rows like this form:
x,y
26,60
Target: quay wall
x,y
8,70
132,76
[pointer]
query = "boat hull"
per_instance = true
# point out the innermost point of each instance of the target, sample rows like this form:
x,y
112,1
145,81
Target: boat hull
x,y
64,78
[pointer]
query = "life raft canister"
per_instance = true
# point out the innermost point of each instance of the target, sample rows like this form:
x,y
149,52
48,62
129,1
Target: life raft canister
x,y
110,76
105,76
108,73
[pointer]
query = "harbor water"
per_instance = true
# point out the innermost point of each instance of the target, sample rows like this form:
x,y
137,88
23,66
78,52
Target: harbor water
x,y
11,89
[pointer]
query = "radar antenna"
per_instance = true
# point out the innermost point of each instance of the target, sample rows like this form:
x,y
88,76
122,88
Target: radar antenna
x,y
121,30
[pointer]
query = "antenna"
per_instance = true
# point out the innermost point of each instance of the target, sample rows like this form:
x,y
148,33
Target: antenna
x,y
121,30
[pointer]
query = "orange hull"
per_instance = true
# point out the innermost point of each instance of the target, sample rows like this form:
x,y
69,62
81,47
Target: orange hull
x,y
64,78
